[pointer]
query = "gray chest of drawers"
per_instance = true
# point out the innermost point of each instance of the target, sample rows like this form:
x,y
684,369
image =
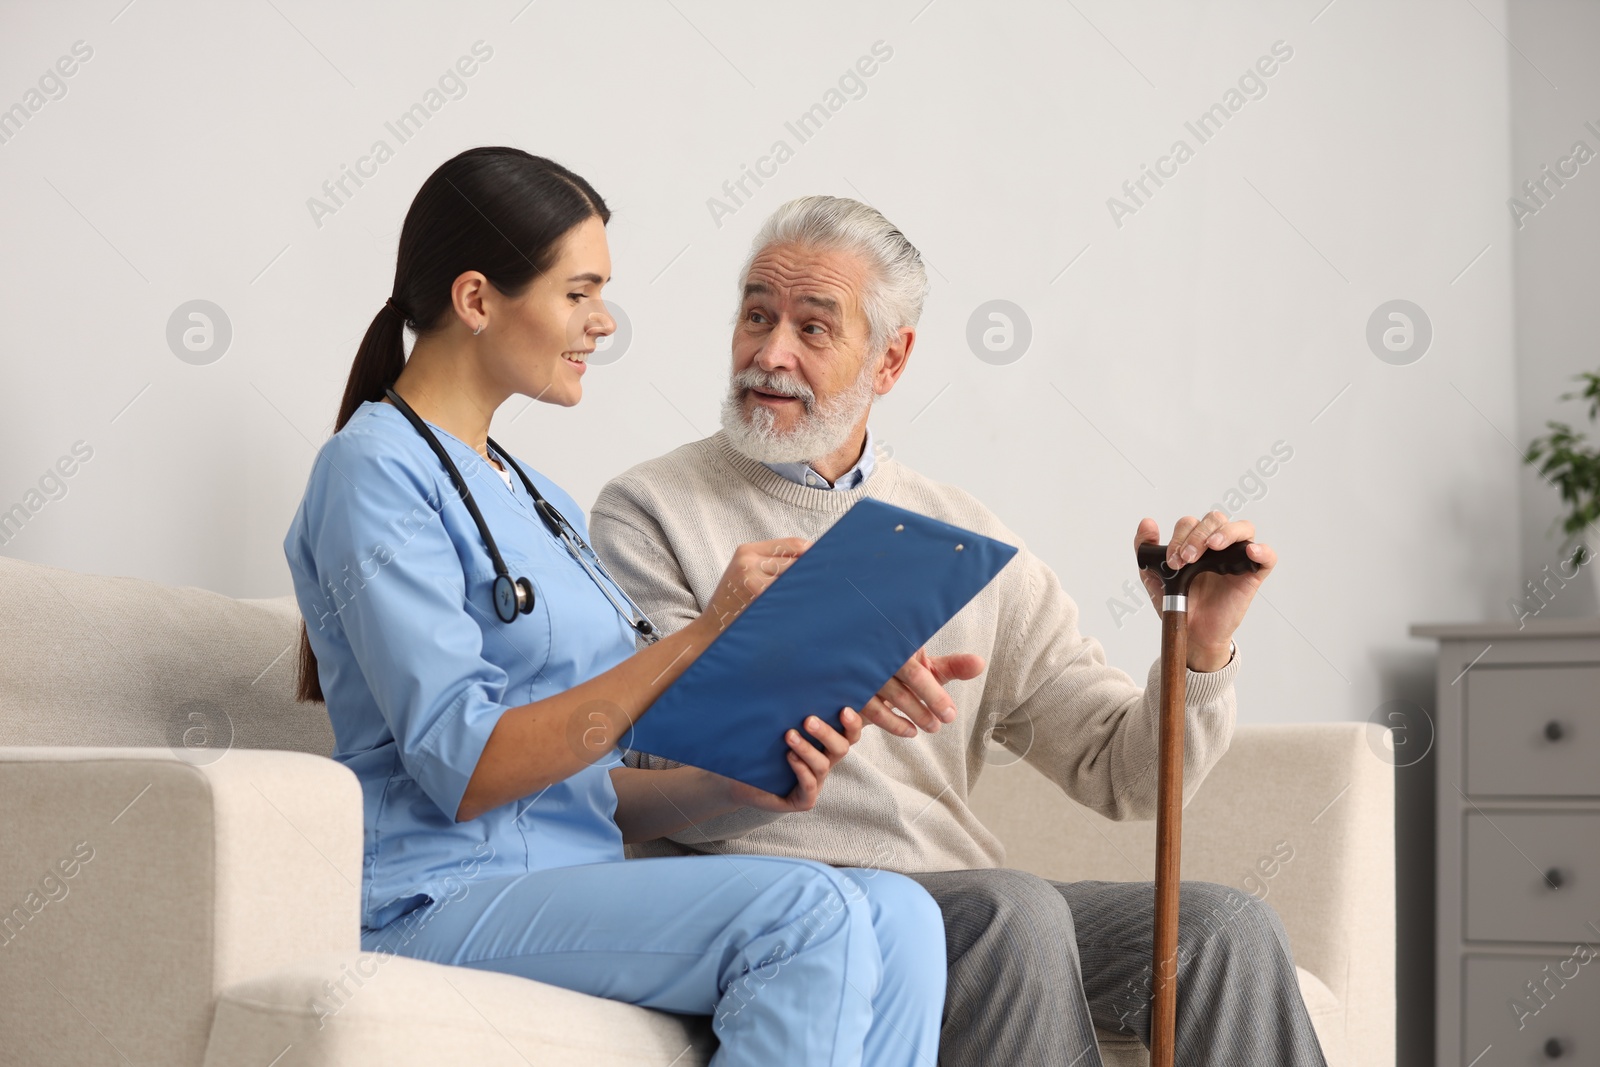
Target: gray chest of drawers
x,y
1518,886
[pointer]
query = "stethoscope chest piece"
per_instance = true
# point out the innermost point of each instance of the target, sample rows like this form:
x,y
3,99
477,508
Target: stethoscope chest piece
x,y
512,596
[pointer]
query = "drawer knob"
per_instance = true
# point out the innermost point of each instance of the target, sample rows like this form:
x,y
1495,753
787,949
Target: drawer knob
x,y
1553,731
1555,880
1554,1049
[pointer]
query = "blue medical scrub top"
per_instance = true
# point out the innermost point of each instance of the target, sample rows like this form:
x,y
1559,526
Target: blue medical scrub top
x,y
393,580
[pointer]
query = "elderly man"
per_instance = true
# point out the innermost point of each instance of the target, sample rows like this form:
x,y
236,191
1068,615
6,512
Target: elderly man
x,y
829,303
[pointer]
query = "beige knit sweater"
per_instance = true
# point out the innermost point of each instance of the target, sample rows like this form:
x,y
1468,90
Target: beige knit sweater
x,y
667,528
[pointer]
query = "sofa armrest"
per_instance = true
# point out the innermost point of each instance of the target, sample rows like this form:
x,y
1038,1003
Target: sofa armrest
x,y
1300,815
135,885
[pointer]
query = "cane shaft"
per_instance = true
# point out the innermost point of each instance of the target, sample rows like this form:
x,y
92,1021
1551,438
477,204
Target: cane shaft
x,y
1228,560
1169,834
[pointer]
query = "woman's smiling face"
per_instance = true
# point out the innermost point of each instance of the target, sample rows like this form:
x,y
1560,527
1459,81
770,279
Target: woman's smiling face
x,y
544,336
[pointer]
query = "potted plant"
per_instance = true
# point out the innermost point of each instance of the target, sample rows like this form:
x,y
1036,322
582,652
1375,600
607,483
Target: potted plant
x,y
1573,467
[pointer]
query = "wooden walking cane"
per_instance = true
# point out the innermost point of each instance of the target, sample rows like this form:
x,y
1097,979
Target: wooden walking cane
x,y
1169,783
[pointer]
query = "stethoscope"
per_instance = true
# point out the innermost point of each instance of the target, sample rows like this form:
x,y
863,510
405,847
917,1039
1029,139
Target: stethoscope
x,y
513,596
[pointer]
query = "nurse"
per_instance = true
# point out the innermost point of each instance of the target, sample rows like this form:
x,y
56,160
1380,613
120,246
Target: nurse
x,y
496,803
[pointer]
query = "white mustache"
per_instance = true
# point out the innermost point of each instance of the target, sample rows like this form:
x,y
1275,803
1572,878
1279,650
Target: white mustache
x,y
782,385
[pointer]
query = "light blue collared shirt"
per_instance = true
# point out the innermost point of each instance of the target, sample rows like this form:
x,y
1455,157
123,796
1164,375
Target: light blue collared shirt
x,y
804,474
394,583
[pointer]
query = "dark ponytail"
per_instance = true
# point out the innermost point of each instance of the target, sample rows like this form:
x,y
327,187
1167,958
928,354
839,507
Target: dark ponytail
x,y
500,211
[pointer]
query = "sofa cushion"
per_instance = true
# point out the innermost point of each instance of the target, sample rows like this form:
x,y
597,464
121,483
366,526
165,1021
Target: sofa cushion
x,y
92,660
365,1007
401,1011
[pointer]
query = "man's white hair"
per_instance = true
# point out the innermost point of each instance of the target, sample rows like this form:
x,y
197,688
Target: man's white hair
x,y
896,279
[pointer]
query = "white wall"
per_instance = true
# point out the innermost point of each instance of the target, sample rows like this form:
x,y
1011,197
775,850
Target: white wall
x,y
1226,315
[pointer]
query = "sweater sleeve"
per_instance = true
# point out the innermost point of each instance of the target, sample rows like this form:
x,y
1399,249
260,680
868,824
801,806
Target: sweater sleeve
x,y
1084,723
634,548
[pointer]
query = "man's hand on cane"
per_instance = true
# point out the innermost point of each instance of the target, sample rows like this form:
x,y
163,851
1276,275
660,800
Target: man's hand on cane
x,y
1217,602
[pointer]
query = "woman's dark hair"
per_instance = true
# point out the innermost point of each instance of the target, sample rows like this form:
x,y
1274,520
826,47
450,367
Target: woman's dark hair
x,y
500,211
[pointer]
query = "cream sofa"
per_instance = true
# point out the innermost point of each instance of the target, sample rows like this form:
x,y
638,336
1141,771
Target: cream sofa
x,y
179,874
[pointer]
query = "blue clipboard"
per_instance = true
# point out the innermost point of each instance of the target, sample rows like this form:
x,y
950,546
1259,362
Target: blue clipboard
x,y
824,636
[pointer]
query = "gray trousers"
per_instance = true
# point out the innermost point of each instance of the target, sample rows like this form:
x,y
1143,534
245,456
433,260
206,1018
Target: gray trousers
x,y
1036,965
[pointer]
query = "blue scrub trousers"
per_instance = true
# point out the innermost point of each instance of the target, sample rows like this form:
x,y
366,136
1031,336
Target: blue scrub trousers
x,y
796,961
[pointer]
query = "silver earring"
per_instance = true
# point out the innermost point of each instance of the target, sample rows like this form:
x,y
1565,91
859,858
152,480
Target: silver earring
x,y
478,330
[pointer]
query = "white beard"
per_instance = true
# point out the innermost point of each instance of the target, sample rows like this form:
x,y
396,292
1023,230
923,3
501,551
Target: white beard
x,y
822,429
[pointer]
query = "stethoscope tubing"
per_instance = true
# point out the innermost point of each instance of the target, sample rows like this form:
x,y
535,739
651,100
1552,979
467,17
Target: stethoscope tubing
x,y
562,530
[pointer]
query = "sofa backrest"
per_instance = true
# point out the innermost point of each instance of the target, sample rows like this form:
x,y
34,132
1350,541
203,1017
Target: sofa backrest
x,y
90,660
